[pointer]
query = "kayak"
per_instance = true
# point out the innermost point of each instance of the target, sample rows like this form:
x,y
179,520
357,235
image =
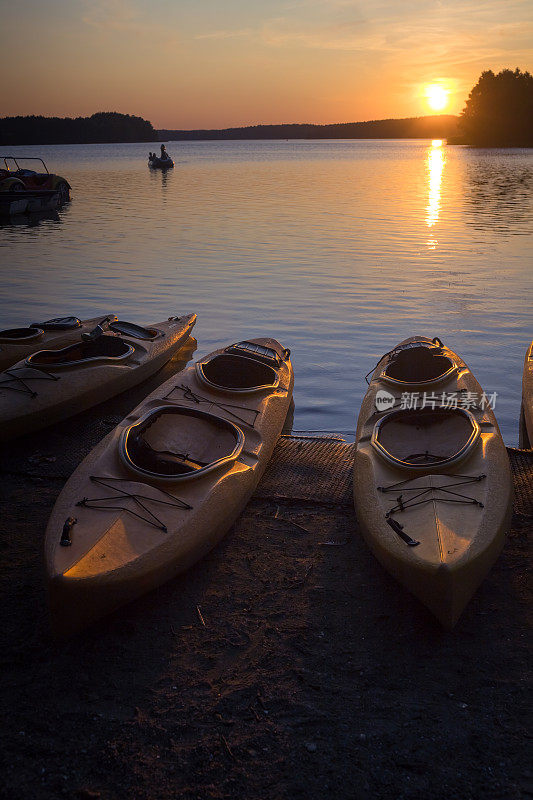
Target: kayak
x,y
51,385
160,163
167,483
526,414
17,343
432,482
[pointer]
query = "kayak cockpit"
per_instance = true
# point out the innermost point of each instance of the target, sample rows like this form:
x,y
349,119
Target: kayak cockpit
x,y
237,373
35,331
243,367
135,331
21,335
103,348
418,366
176,443
425,439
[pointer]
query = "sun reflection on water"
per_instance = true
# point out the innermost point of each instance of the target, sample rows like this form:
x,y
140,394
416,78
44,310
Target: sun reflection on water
x,y
435,167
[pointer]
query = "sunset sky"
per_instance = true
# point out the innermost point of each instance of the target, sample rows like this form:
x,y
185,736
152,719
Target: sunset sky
x,y
219,63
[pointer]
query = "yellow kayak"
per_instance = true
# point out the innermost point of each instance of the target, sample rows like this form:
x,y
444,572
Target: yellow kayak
x,y
432,482
51,385
164,487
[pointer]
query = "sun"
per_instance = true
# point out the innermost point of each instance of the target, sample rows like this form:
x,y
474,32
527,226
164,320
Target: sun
x,y
437,96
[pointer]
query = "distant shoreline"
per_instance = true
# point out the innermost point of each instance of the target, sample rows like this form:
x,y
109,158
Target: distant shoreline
x,y
432,127
114,128
110,127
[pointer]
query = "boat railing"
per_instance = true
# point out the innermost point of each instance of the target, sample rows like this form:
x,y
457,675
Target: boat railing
x,y
22,158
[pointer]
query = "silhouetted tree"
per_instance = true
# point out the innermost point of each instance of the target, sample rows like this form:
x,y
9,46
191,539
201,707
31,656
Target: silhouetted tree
x,y
499,110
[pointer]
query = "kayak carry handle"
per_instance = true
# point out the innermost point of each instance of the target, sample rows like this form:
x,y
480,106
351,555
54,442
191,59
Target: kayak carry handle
x,y
66,541
397,528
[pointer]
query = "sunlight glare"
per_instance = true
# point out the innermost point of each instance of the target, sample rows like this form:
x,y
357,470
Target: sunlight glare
x,y
437,97
435,166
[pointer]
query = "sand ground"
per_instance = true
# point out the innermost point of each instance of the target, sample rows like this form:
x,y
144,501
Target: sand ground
x,y
287,664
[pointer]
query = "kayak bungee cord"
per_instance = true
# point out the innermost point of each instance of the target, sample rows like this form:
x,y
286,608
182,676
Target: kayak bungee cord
x,y
374,368
42,375
458,497
411,502
188,394
89,502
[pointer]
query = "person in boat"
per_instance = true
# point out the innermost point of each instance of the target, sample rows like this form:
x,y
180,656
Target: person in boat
x,y
164,154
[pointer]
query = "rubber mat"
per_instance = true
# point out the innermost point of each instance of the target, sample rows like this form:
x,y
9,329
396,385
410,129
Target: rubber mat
x,y
522,469
303,468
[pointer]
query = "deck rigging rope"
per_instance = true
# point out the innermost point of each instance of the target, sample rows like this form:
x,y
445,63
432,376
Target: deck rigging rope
x,y
19,381
423,491
151,519
188,394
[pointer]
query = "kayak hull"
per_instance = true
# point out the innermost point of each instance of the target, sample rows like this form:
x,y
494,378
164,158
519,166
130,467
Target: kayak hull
x,y
115,555
161,163
454,519
526,412
62,392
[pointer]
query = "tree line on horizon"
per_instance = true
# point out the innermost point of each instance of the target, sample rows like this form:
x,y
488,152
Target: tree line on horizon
x,y
498,113
102,127
431,127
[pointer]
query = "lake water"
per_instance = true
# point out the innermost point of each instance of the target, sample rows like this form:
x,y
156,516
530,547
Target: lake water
x,y
339,249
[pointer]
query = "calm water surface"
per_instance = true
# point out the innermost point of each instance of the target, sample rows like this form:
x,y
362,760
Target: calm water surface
x,y
337,248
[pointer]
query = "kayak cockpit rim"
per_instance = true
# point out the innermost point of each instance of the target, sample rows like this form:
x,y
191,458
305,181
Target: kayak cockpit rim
x,y
243,368
21,335
466,433
108,349
418,364
133,447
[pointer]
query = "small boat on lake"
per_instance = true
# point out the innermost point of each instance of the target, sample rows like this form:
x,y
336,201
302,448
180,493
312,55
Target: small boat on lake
x,y
28,202
165,486
432,483
160,163
38,187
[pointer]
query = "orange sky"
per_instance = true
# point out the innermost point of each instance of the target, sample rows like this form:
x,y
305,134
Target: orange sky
x,y
210,64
